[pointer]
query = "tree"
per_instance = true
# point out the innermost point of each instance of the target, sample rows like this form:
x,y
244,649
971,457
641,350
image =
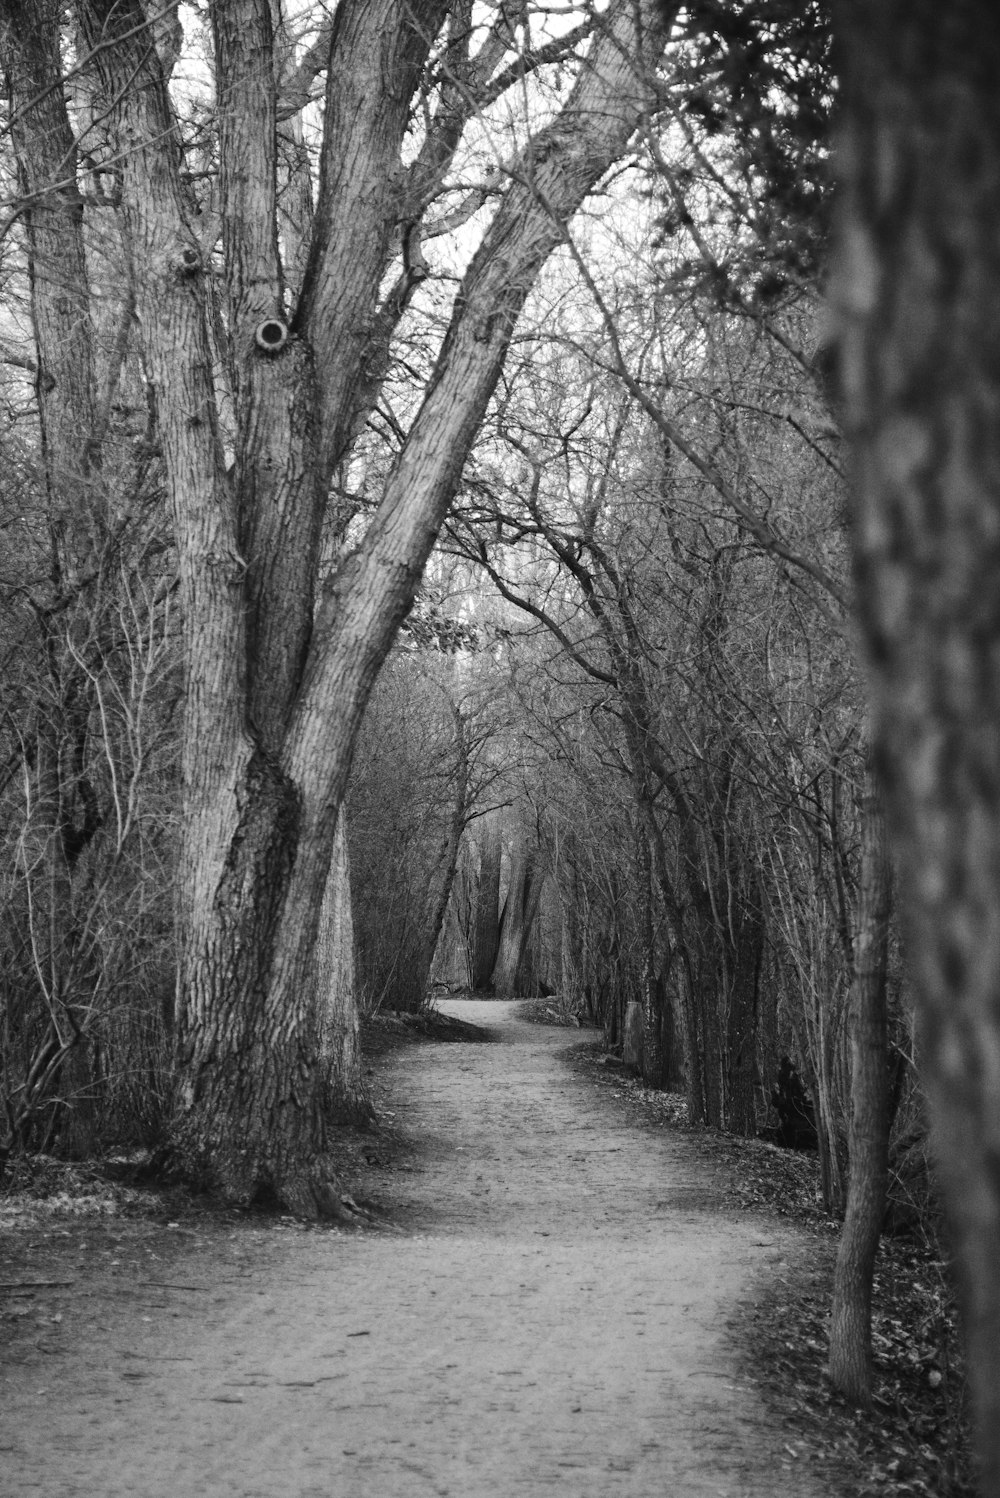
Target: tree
x,y
284,633
850,1321
916,293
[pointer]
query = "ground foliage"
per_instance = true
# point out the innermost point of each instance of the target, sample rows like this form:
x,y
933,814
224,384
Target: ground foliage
x,y
915,1439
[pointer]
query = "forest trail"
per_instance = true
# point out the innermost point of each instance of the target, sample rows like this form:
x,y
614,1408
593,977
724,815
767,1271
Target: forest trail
x,y
551,1319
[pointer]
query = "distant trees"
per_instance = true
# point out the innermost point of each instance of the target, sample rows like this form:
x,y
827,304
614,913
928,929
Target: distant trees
x,y
422,771
87,632
685,555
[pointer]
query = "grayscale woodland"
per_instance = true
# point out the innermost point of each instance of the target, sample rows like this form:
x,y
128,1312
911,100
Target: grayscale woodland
x,y
502,499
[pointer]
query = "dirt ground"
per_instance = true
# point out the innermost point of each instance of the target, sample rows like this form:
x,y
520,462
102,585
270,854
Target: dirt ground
x,y
546,1313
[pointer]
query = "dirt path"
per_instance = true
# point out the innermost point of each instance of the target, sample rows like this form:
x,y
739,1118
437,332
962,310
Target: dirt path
x,y
551,1319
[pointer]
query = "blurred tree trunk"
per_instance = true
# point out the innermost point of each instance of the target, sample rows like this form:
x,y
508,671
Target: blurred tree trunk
x,y
917,297
851,1322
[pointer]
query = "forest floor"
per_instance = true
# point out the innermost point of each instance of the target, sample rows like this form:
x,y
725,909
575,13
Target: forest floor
x,y
560,1293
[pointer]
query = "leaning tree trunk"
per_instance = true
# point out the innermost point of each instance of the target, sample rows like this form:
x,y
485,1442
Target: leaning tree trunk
x,y
278,665
851,1321
917,296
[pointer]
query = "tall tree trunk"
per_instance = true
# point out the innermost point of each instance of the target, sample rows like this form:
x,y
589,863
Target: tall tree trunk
x,y
917,296
743,957
851,1323
651,1063
439,894
485,935
516,920
339,1040
706,1021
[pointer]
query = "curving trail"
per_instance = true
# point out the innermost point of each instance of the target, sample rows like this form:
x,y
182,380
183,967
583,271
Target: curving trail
x,y
552,1319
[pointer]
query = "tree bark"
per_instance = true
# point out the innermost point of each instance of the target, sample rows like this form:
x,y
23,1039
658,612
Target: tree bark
x,y
651,1060
632,1036
917,297
851,1322
339,1038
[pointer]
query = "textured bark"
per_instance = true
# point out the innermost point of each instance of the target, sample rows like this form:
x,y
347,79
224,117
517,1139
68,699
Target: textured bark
x,y
632,1048
917,295
851,1321
339,1037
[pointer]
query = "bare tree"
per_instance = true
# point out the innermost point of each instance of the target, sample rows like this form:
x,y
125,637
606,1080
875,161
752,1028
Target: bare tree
x,y
280,653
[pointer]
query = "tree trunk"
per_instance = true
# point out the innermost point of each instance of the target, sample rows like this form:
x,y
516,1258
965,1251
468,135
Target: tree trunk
x,y
486,909
917,296
339,1042
63,813
519,910
743,957
632,1036
851,1322
60,298
652,1058
706,1021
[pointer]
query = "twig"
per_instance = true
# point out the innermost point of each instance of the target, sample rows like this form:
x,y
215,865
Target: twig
x,y
168,1285
20,1287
